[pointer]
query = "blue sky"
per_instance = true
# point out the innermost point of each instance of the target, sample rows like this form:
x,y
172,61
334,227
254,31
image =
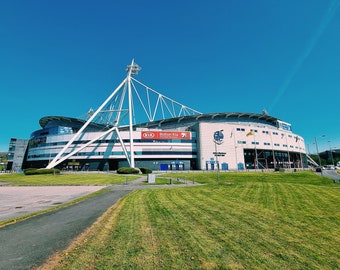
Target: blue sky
x,y
64,57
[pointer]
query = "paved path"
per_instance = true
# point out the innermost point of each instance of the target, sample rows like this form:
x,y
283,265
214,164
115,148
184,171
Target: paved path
x,y
19,201
31,242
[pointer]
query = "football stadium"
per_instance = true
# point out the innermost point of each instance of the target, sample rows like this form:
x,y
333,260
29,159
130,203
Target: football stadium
x,y
137,126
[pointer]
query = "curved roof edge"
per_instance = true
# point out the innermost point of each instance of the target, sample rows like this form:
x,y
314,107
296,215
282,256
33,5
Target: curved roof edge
x,y
45,120
213,116
210,116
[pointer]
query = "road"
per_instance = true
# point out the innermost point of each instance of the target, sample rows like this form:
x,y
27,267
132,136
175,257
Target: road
x,y
331,174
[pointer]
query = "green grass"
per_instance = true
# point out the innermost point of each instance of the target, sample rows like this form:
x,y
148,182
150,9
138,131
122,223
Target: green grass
x,y
66,179
302,177
246,221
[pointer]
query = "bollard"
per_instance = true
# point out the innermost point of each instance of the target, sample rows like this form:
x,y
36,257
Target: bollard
x,y
151,178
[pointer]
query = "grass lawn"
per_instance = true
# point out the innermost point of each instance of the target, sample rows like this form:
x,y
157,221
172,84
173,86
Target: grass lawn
x,y
246,221
66,179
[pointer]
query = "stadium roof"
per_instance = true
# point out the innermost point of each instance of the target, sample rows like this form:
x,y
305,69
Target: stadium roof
x,y
205,117
45,120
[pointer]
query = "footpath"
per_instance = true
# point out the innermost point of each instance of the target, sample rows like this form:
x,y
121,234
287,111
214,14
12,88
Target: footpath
x,y
29,243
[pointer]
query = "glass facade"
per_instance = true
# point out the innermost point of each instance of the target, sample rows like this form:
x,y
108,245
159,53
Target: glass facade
x,y
263,159
46,143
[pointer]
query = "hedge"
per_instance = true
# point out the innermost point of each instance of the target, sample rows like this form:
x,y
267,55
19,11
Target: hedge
x,y
145,170
41,171
127,170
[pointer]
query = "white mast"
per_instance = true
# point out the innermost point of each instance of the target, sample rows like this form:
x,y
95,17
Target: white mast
x,y
57,159
132,69
112,111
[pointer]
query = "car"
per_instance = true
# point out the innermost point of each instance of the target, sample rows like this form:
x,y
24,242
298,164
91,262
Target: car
x,y
318,169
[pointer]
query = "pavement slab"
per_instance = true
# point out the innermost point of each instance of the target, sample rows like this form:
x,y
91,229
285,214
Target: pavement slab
x,y
23,200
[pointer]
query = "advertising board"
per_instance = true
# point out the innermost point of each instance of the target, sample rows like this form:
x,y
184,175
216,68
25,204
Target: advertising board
x,y
165,135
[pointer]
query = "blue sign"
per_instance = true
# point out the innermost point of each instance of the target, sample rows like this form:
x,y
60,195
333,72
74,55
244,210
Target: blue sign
x,y
218,137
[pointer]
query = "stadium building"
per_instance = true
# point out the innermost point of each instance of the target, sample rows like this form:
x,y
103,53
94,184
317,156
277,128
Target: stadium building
x,y
171,137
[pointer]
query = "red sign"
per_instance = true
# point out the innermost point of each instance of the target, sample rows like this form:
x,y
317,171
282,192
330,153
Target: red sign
x,y
165,135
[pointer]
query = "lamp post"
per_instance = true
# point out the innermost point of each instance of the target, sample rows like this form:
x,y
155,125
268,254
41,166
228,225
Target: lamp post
x,y
330,150
317,149
218,139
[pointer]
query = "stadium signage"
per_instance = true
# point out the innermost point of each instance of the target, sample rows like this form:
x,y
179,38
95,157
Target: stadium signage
x,y
165,135
219,154
218,137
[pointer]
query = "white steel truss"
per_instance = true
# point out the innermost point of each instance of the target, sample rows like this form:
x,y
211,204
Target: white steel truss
x,y
121,109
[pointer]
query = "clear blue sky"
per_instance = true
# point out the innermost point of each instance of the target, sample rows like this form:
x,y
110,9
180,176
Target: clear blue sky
x,y
64,57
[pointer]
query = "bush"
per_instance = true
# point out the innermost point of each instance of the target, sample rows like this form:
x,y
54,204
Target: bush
x,y
41,171
279,169
127,170
145,170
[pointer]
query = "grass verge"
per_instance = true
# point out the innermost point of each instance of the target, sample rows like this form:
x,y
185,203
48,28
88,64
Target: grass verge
x,y
66,179
256,221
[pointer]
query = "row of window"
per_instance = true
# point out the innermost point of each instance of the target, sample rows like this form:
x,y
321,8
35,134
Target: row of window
x,y
39,142
265,132
268,144
137,153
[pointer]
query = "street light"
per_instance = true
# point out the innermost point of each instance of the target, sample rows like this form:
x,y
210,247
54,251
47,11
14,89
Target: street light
x,y
218,139
330,150
308,148
317,149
